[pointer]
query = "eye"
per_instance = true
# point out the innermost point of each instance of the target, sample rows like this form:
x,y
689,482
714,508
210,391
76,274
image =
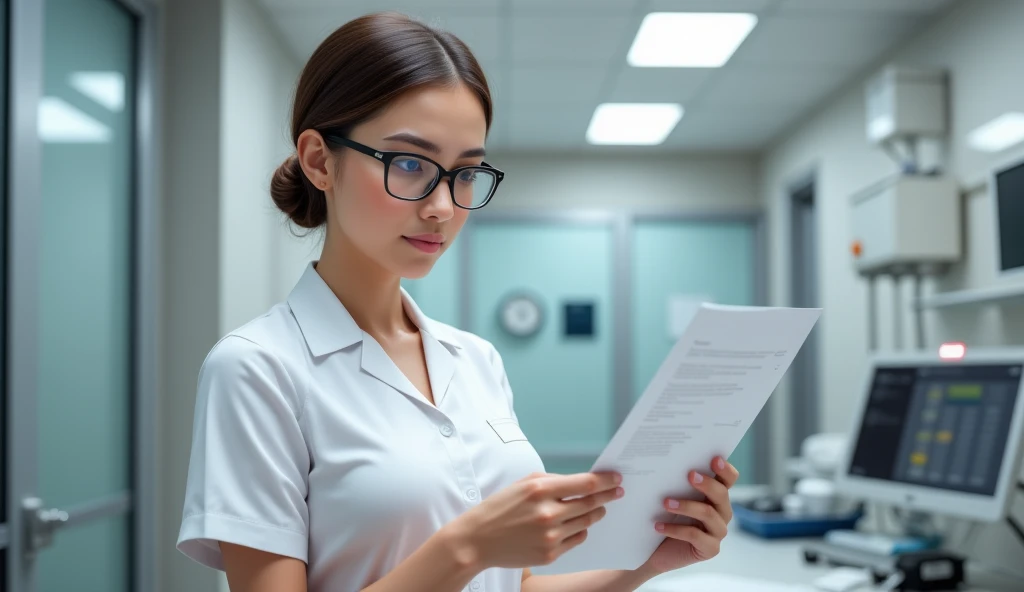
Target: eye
x,y
468,176
408,165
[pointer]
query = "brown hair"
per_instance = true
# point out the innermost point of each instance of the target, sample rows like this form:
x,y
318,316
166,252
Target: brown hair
x,y
356,73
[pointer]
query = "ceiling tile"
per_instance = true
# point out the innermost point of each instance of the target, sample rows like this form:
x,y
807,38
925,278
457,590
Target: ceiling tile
x,y
532,85
572,7
479,33
549,126
658,85
839,40
877,6
754,6
592,40
550,62
306,29
730,128
406,6
769,85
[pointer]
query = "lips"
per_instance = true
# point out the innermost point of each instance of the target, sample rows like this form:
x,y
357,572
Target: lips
x,y
427,238
428,243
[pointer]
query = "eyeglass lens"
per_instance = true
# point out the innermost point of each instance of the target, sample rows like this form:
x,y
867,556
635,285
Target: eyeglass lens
x,y
409,177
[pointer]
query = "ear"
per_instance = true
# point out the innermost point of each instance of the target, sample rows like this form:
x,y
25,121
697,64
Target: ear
x,y
315,158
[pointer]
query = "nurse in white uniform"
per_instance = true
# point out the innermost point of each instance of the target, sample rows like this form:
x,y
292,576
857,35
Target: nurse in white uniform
x,y
344,441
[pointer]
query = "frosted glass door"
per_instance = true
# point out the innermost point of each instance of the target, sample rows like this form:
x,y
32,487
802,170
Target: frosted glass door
x,y
563,385
71,282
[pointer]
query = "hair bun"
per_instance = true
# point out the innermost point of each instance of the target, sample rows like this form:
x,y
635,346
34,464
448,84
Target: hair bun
x,y
293,194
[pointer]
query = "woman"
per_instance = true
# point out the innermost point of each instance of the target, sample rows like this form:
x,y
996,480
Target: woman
x,y
343,440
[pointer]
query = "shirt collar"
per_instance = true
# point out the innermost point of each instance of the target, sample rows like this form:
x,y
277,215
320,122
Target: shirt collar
x,y
328,327
439,331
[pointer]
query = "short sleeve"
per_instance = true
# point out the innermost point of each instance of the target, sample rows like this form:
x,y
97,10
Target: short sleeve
x,y
249,465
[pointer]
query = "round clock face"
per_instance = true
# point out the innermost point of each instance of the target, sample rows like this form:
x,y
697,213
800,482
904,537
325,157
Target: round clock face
x,y
521,316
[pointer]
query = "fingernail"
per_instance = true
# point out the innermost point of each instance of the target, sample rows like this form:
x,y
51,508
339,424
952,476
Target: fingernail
x,y
619,492
618,478
659,527
698,478
720,464
673,504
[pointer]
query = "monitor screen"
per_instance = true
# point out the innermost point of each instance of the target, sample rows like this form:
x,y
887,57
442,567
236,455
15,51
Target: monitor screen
x,y
1009,192
941,426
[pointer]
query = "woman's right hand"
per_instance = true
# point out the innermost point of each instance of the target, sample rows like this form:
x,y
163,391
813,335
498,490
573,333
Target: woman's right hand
x,y
537,519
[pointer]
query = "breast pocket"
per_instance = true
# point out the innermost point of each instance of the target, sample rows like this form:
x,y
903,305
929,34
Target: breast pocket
x,y
507,429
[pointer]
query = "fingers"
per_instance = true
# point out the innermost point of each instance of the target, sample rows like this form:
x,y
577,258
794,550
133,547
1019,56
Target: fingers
x,y
714,523
725,473
705,544
581,523
582,484
559,548
715,491
583,505
573,541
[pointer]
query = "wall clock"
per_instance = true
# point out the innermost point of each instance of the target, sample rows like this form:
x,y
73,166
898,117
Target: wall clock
x,y
521,314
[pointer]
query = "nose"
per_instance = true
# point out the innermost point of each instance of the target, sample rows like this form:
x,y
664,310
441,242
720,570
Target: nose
x,y
439,205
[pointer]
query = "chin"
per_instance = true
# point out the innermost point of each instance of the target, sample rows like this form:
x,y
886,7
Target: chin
x,y
415,271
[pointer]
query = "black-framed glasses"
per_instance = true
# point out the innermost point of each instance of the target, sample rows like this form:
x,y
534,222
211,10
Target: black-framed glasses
x,y
409,176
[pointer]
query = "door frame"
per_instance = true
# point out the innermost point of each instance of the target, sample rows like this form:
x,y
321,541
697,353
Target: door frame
x,y
804,403
623,221
25,26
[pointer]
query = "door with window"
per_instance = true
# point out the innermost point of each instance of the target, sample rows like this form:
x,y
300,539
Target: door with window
x,y
69,363
559,356
689,260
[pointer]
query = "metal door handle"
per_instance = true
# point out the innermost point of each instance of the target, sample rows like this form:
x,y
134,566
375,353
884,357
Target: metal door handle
x,y
41,523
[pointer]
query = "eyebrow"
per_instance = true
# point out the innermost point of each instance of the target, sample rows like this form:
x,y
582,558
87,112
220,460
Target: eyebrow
x,y
430,146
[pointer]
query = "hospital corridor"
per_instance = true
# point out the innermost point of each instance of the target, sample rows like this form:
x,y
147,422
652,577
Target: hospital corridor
x,y
511,295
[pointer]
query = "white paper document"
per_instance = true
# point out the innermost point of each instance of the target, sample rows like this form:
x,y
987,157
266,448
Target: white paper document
x,y
701,402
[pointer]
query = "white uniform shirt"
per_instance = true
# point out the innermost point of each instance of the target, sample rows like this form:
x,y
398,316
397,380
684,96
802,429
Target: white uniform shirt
x,y
310,442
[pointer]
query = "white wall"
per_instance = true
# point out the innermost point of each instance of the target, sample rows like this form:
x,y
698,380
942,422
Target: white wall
x,y
257,85
191,265
228,81
682,182
979,42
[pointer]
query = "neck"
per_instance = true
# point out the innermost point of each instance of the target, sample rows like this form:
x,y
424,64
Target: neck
x,y
370,293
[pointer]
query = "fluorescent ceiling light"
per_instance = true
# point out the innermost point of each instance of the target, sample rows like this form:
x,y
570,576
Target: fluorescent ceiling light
x,y
106,88
999,134
689,39
61,123
644,124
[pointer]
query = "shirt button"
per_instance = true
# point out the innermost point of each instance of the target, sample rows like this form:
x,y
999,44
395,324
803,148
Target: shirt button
x,y
471,494
474,585
447,430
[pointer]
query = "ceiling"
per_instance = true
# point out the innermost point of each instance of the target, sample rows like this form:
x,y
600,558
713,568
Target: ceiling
x,y
551,62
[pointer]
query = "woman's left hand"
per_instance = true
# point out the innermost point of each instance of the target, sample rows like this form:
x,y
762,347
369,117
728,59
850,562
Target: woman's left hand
x,y
684,544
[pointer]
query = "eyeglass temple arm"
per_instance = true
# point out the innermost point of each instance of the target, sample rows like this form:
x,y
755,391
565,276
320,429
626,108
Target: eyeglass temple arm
x,y
353,145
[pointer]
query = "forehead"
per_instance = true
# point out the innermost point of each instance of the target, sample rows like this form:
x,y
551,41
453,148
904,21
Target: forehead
x,y
448,116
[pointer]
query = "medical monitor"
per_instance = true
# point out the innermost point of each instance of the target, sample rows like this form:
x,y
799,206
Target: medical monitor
x,y
1007,189
938,435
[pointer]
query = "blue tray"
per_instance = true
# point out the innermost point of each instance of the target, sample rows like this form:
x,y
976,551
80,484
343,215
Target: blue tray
x,y
773,525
